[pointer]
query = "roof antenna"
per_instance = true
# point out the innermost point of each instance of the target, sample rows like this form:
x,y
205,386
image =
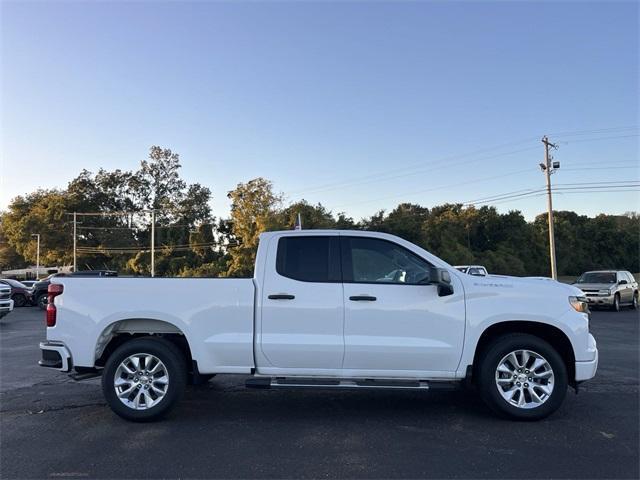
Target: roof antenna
x,y
298,225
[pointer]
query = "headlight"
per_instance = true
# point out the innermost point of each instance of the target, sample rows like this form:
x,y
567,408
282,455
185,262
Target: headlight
x,y
604,292
579,304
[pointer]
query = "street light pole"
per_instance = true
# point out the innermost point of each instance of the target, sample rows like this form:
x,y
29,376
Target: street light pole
x,y
37,235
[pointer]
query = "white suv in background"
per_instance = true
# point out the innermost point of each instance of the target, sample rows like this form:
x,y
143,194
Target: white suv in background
x,y
6,304
477,270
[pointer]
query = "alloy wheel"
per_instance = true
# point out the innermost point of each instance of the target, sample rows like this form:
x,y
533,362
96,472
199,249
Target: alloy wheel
x,y
524,379
141,381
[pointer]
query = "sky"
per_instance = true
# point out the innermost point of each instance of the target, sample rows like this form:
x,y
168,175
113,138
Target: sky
x,y
357,105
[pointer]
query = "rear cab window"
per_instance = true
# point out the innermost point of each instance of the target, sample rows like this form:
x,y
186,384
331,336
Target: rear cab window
x,y
309,258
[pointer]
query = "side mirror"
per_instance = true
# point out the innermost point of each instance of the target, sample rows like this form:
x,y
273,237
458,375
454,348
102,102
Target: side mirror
x,y
622,282
442,278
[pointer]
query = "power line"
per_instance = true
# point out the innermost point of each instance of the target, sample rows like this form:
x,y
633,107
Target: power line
x,y
541,191
146,228
423,169
598,139
600,183
564,193
431,189
600,168
592,132
108,214
127,250
417,167
185,245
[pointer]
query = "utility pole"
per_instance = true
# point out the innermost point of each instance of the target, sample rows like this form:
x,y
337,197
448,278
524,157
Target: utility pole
x,y
37,235
75,218
153,243
548,168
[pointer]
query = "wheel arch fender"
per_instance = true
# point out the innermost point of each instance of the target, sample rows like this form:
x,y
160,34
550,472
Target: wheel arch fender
x,y
115,331
552,334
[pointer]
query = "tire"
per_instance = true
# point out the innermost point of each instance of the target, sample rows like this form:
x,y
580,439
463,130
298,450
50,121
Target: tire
x,y
41,301
634,303
616,303
173,371
19,300
540,381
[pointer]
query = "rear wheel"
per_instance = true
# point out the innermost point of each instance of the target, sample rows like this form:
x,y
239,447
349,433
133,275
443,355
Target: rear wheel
x,y
19,300
144,379
634,304
523,377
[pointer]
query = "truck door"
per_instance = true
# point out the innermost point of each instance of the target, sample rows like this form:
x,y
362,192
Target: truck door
x,y
395,324
625,289
302,304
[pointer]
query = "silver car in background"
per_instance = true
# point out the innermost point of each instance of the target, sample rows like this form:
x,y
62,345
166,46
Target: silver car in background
x,y
609,288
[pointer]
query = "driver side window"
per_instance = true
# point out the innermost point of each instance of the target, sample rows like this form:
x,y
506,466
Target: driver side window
x,y
371,260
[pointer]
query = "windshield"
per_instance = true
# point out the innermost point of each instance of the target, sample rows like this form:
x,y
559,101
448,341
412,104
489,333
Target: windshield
x,y
14,283
597,277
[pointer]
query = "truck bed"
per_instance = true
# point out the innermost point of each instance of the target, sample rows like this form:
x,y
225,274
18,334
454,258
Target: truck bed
x,y
216,315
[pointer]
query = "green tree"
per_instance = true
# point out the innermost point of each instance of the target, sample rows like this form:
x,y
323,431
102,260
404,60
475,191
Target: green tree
x,y
41,212
312,216
254,209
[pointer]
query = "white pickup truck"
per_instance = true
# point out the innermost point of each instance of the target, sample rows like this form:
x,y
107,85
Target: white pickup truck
x,y
325,309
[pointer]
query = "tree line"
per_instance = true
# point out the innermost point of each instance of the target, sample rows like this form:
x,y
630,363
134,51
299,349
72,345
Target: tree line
x,y
190,241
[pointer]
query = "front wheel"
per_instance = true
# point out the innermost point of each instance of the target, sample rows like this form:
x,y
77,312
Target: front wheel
x,y
144,379
616,303
634,304
523,377
19,300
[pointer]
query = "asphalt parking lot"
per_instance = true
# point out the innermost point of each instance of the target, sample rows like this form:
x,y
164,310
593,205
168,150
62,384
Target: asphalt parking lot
x,y
52,426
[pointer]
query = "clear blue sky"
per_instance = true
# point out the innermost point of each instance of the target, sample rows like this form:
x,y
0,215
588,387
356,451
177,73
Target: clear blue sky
x,y
378,100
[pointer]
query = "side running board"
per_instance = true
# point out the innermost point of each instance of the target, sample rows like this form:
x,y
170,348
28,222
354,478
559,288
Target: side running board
x,y
286,382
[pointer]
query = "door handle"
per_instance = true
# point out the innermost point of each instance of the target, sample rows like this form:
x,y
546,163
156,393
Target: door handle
x,y
281,296
363,298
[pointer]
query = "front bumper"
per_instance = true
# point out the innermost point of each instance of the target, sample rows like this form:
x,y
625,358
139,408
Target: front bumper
x,y
55,355
6,306
595,300
586,370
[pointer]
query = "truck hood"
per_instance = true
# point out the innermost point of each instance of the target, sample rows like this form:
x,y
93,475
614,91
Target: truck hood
x,y
594,286
540,285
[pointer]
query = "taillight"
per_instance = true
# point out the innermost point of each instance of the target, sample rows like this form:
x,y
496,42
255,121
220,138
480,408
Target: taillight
x,y
53,291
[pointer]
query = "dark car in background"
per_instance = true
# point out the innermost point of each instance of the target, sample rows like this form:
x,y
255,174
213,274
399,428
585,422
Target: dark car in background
x,y
40,288
20,293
